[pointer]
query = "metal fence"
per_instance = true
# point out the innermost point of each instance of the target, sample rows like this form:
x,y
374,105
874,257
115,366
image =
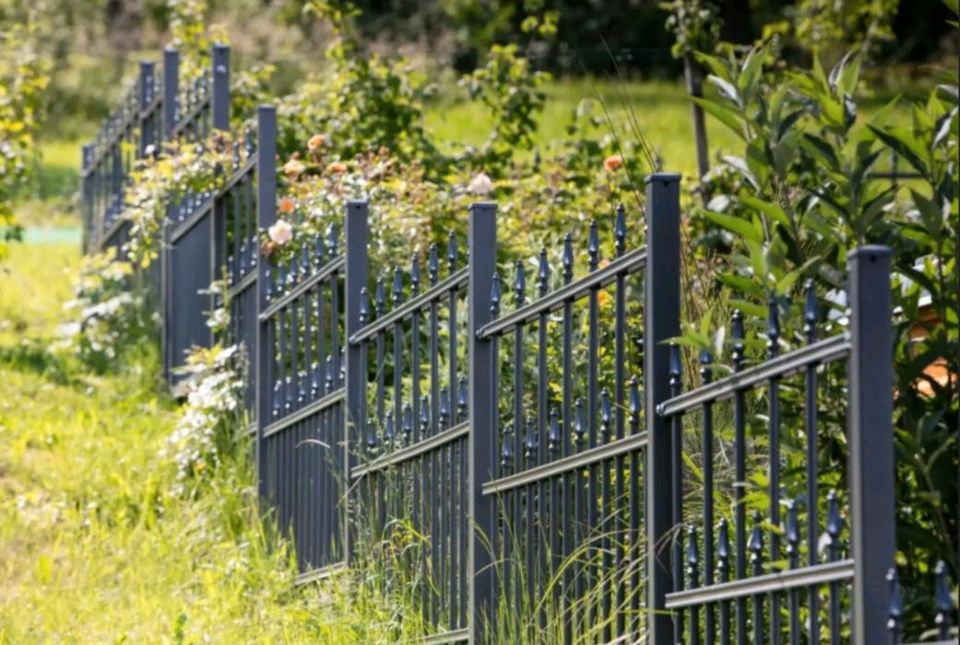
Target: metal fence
x,y
526,456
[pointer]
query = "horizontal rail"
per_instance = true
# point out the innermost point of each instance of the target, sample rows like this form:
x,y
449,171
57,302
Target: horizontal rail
x,y
453,282
245,283
824,351
567,464
412,451
322,573
329,269
452,636
184,227
321,404
241,172
576,289
816,575
112,232
190,118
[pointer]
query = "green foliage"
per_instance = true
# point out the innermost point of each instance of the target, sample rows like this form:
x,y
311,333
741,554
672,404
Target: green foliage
x,y
512,93
695,25
23,77
799,197
824,26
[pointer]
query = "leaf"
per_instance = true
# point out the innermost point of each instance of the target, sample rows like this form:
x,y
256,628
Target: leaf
x,y
727,89
741,165
822,150
722,113
904,144
741,283
773,211
751,70
715,65
738,225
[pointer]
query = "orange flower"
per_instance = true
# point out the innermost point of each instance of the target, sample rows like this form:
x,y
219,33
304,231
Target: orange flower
x,y
293,168
315,142
337,167
613,163
287,205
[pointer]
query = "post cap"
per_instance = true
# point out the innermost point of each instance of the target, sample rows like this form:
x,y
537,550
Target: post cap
x,y
665,177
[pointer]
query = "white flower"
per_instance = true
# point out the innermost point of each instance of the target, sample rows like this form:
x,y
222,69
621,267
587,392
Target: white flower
x,y
281,232
480,184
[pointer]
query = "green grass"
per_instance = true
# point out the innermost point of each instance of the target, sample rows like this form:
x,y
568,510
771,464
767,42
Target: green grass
x,y
94,546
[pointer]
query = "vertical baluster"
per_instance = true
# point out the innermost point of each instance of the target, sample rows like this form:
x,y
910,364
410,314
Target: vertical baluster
x,y
335,350
554,440
723,568
942,601
739,472
693,573
543,287
307,390
676,468
756,560
635,508
580,497
895,620
834,525
606,574
773,350
810,428
706,374
793,561
568,481
619,379
593,348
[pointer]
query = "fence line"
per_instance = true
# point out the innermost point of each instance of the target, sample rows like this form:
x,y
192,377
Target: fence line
x,y
540,454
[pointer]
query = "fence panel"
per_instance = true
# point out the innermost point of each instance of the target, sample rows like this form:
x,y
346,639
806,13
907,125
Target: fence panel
x,y
410,432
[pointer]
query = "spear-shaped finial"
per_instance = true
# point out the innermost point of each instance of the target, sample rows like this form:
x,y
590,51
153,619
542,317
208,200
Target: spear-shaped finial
x,y
433,264
593,246
495,294
755,545
567,260
810,312
773,326
506,450
792,535
620,230
364,306
634,405
555,434
675,370
834,524
415,274
406,426
693,557
531,442
579,428
381,297
519,284
333,241
451,251
328,373
389,431
706,371
424,414
606,415
543,274
723,550
444,410
397,286
371,438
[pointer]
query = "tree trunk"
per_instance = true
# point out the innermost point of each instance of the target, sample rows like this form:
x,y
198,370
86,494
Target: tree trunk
x,y
694,76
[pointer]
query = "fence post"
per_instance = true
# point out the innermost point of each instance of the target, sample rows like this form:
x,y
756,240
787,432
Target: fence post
x,y
266,216
482,405
146,96
870,427
356,240
220,102
662,321
86,193
171,75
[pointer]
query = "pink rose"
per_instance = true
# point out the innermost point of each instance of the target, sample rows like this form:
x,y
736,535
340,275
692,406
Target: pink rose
x,y
480,184
281,232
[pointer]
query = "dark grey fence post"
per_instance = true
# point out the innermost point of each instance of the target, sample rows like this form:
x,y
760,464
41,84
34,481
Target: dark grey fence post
x,y
662,321
870,423
356,242
482,410
146,96
220,102
266,216
171,75
86,192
